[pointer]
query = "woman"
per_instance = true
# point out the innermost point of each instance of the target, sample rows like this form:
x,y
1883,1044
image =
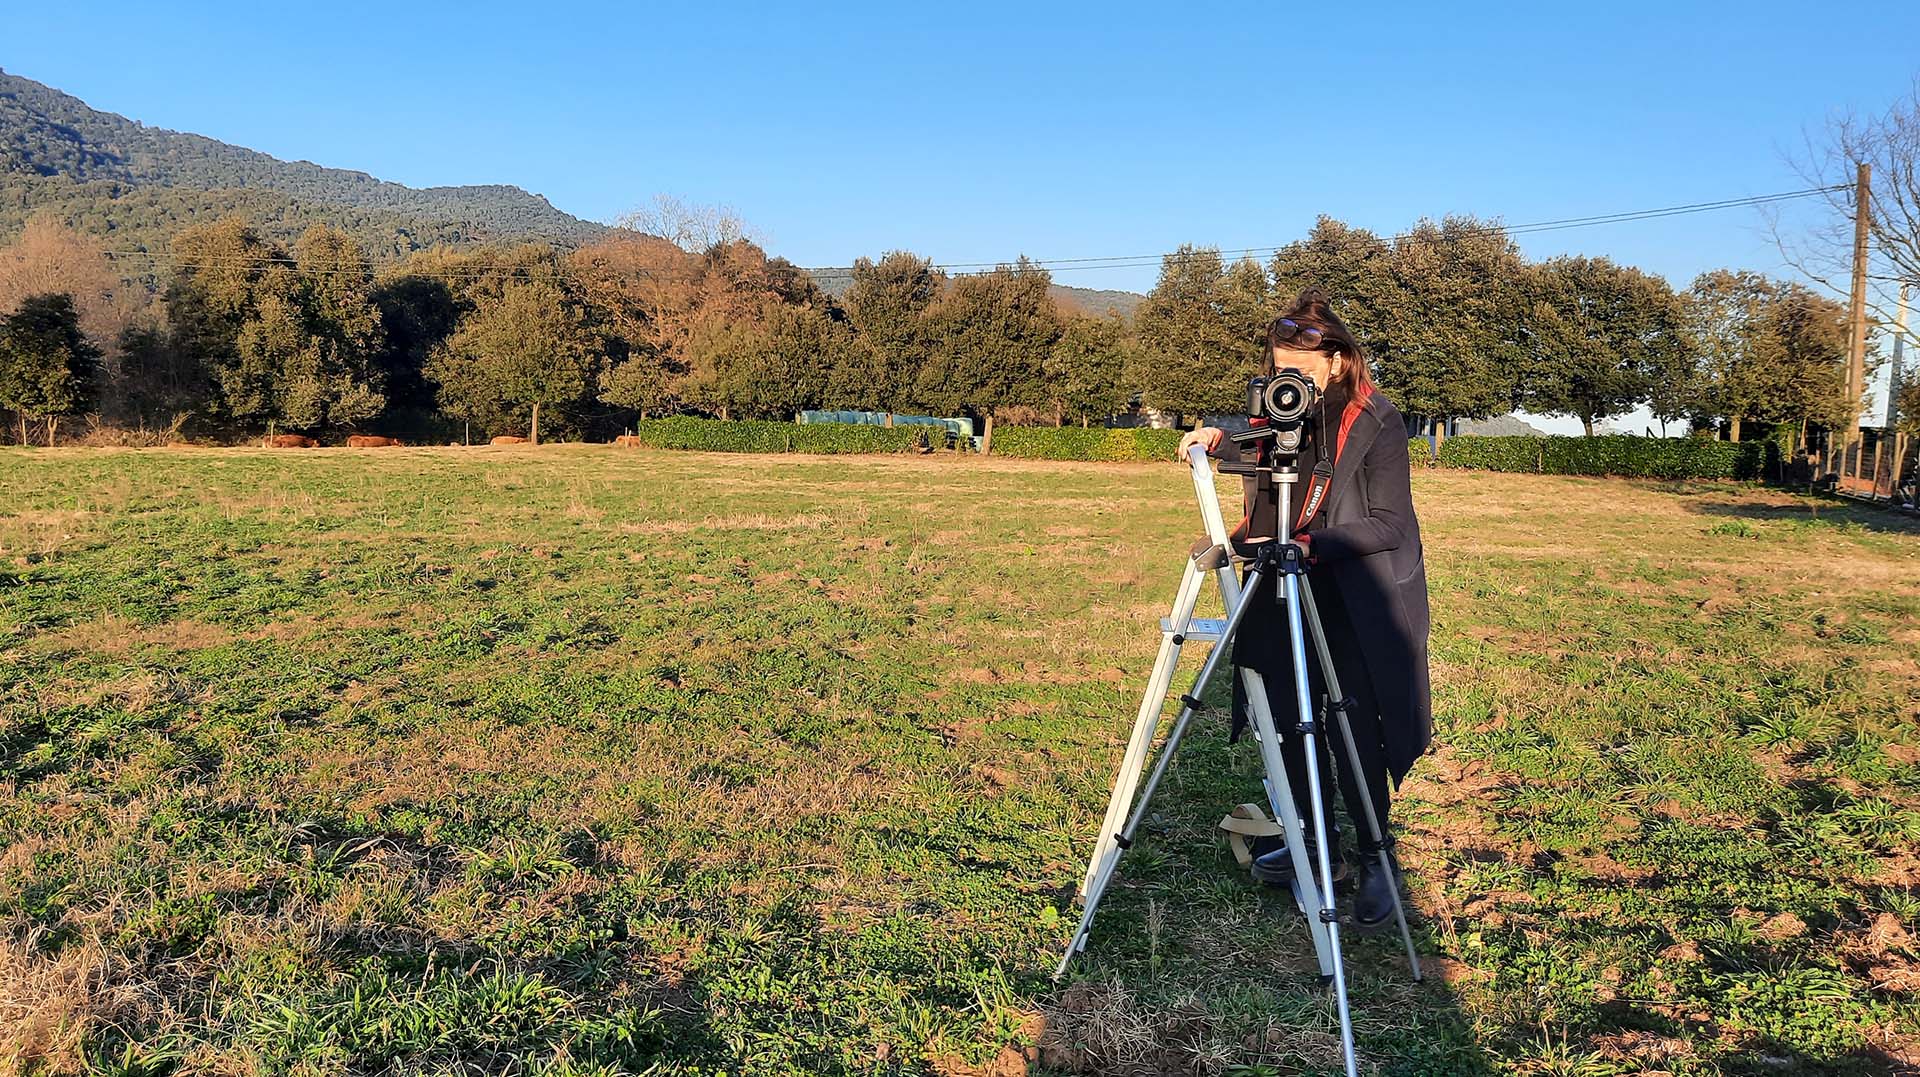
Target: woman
x,y
1369,582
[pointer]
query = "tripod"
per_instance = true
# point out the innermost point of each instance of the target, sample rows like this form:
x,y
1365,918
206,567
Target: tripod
x,y
1312,883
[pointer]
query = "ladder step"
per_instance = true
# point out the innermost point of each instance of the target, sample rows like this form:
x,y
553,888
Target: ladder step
x,y
1208,629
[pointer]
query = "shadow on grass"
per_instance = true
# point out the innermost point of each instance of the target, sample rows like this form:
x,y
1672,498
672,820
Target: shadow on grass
x,y
1192,966
1807,510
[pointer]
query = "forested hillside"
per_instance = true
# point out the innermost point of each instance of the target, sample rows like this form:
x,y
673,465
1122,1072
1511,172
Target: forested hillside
x,y
1097,301
109,175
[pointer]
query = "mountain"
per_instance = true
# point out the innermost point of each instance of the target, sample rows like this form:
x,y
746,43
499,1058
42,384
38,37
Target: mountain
x,y
1097,301
137,186
109,175
1088,301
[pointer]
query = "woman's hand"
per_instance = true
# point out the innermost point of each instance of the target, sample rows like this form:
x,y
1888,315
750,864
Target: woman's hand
x,y
1207,437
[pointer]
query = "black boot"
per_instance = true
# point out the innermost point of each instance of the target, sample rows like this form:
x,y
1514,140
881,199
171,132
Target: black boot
x,y
1275,868
1373,896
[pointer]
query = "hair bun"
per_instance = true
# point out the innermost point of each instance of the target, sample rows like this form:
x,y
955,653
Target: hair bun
x,y
1313,299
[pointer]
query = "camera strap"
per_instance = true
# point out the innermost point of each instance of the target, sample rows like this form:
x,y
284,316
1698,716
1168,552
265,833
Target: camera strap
x,y
1248,821
1316,493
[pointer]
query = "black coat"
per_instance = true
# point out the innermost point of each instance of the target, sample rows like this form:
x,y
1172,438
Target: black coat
x,y
1368,548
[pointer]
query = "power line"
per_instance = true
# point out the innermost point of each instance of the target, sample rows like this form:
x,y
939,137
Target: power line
x,y
1126,261
1052,265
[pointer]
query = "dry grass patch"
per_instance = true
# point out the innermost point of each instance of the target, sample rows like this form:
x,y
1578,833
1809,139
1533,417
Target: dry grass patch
x,y
48,1004
117,636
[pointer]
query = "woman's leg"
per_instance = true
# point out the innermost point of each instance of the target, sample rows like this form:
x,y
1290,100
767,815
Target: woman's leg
x,y
1374,890
1364,718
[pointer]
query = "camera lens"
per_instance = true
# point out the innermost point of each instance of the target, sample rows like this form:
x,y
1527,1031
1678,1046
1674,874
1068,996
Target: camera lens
x,y
1288,396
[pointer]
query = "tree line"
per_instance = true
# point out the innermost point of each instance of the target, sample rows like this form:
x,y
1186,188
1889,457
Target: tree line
x,y
245,334
1459,324
239,333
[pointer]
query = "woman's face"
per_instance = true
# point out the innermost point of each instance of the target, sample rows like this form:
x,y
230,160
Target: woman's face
x,y
1319,366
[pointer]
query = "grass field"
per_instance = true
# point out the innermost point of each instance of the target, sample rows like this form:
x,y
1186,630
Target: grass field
x,y
576,761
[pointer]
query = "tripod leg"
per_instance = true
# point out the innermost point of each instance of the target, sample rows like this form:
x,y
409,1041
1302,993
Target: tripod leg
x,y
1190,705
1374,828
1147,720
1280,798
1328,914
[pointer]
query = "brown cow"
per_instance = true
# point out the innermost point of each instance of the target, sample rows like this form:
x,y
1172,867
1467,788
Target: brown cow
x,y
627,439
369,441
291,441
507,439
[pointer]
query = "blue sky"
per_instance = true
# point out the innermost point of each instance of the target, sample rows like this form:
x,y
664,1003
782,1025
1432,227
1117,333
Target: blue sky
x,y
976,132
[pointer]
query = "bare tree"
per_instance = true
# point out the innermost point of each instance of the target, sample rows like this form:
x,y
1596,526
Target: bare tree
x,y
691,227
50,257
1889,144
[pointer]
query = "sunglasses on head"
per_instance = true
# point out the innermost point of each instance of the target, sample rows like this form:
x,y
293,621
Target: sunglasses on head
x,y
1300,336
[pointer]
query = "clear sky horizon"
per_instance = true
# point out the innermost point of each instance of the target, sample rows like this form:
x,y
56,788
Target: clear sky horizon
x,y
992,130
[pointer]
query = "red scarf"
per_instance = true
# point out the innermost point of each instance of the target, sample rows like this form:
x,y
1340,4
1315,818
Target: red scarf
x,y
1317,489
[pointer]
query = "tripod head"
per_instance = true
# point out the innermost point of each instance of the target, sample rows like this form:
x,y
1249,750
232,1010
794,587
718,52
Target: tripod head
x,y
1279,405
1276,451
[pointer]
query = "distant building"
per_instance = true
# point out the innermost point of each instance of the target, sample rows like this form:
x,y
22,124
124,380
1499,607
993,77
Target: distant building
x,y
1499,426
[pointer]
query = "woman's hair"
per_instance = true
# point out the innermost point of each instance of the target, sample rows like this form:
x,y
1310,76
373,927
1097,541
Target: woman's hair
x,y
1313,310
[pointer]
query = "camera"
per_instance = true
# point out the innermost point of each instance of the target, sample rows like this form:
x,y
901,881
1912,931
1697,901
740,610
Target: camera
x,y
1285,396
1278,405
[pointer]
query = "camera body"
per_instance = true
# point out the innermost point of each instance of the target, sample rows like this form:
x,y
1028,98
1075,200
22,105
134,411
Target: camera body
x,y
1278,405
1285,396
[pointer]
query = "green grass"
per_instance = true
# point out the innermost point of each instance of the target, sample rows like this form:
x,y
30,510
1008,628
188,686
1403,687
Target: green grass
x,y
584,761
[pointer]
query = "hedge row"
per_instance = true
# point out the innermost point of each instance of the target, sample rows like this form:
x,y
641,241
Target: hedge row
x,y
1078,443
1614,454
1027,442
718,435
1625,455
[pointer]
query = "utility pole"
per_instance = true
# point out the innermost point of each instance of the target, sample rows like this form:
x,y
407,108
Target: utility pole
x,y
1857,315
1899,354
